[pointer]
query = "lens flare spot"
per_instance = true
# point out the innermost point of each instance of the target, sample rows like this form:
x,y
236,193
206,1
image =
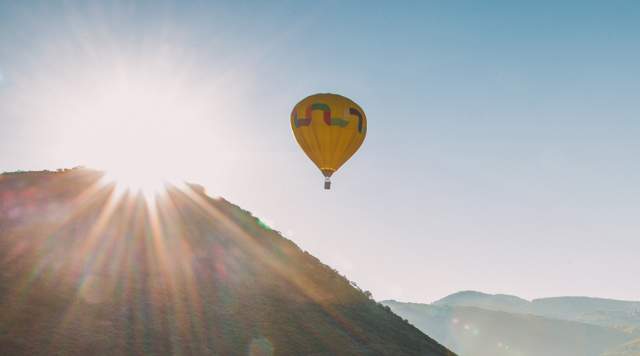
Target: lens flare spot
x,y
260,347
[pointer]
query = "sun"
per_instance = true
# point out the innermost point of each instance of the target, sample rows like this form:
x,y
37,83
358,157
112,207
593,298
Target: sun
x,y
148,183
145,120
142,129
142,164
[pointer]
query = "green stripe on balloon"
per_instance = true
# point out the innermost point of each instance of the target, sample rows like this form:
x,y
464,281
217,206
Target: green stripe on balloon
x,y
336,121
320,106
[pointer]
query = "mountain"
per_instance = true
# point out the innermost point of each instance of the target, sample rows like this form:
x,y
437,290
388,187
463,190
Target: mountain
x,y
501,302
609,312
86,268
476,323
474,331
599,311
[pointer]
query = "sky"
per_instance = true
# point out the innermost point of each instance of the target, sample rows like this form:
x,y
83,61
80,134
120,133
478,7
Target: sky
x,y
502,151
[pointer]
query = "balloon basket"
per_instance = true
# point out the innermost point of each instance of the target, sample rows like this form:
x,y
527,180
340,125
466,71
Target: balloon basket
x,y
327,183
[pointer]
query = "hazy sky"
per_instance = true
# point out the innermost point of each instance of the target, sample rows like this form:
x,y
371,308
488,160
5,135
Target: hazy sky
x,y
503,145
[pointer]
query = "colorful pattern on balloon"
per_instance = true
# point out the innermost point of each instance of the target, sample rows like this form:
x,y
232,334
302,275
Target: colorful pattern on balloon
x,y
330,121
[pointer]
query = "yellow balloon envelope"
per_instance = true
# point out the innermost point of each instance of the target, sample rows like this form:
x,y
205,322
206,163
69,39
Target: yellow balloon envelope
x,y
330,128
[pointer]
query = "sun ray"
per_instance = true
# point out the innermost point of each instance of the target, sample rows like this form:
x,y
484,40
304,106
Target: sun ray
x,y
301,282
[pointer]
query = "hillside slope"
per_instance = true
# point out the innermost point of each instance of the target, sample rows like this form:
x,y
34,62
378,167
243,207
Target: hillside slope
x,y
479,332
86,269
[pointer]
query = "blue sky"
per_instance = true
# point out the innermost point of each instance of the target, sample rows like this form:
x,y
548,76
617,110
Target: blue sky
x,y
502,150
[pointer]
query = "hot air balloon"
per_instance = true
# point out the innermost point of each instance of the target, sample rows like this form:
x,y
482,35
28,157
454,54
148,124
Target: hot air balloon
x,y
329,128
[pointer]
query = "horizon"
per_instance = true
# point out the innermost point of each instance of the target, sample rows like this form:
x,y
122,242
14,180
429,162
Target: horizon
x,y
510,295
496,161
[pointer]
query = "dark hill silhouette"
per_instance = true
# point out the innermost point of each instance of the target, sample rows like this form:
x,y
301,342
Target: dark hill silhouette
x,y
87,271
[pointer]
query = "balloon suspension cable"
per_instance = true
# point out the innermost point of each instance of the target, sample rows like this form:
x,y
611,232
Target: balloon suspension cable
x,y
327,183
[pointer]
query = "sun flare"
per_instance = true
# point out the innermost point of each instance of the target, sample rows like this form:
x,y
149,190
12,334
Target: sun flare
x,y
138,181
135,175
144,130
143,117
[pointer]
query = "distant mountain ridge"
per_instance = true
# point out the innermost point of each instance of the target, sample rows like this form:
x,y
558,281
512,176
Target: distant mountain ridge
x,y
600,311
481,324
481,332
499,302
